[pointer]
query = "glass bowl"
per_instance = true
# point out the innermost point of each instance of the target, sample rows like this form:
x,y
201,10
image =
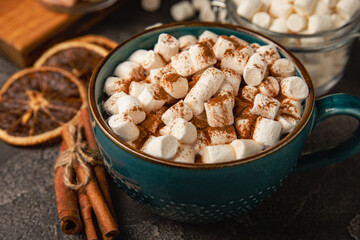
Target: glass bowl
x,y
324,54
76,6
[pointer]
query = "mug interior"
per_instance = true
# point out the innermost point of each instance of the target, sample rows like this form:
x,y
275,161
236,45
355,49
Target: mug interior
x,y
146,40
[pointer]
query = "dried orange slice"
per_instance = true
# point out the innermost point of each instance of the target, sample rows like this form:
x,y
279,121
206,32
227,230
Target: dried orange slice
x,y
79,58
101,41
36,103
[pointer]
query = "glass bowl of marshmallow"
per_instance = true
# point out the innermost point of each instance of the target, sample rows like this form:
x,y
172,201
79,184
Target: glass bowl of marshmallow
x,y
319,32
76,6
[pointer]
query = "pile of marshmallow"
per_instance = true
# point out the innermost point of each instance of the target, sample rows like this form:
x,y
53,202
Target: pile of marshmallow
x,y
209,99
298,16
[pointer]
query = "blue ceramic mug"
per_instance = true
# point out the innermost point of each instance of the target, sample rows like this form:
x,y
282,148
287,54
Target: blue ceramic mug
x,y
212,192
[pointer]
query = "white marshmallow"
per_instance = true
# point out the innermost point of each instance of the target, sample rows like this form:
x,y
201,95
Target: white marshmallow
x,y
243,127
279,25
236,60
175,85
288,123
248,8
164,147
183,64
338,21
294,87
245,147
124,127
208,36
202,56
280,8
150,5
249,92
186,41
291,108
152,97
198,4
221,135
304,7
270,87
222,44
131,106
152,60
267,132
262,19
185,154
165,130
167,46
181,11
129,70
225,89
265,106
347,8
138,56
254,46
116,84
330,3
269,52
233,78
282,68
296,23
240,42
218,154
255,69
321,8
110,105
183,131
319,23
178,110
136,88
157,73
219,111
206,14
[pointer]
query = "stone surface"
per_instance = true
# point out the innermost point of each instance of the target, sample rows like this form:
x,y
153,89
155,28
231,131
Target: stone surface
x,y
318,204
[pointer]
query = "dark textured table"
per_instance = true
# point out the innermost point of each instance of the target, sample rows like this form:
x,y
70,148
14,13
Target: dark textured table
x,y
318,204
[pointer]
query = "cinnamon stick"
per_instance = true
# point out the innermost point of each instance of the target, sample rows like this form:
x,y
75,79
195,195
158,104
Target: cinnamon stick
x,y
86,214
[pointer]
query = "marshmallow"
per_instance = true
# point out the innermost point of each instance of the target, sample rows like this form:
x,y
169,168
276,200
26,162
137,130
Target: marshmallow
x,y
198,4
129,70
157,73
221,135
279,25
233,78
225,89
319,23
243,127
270,87
219,111
291,108
254,46
222,44
181,11
287,123
330,3
138,56
178,110
267,132
166,46
136,88
110,105
245,147
152,97
322,8
116,84
338,21
282,68
296,23
164,147
269,52
124,127
186,154
165,130
152,60
204,89
248,8
249,92
150,5
280,8
218,154
347,8
265,4
183,64
208,36
239,42
202,56
255,69
262,19
294,87
175,85
202,140
265,106
131,106
206,14
186,41
235,60
183,131
304,7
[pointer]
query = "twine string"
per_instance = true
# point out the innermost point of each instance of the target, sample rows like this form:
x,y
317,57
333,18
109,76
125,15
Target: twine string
x,y
78,153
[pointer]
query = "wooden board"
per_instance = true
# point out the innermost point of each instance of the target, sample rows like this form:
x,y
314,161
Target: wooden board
x,y
28,28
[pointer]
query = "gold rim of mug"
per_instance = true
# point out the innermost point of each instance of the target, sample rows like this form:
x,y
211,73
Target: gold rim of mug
x,y
137,153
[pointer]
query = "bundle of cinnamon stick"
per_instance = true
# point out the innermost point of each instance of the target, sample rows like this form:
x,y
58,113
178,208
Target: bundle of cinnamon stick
x,y
89,205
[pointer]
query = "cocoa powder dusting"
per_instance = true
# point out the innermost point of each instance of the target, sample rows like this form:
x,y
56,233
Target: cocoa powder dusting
x,y
152,124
